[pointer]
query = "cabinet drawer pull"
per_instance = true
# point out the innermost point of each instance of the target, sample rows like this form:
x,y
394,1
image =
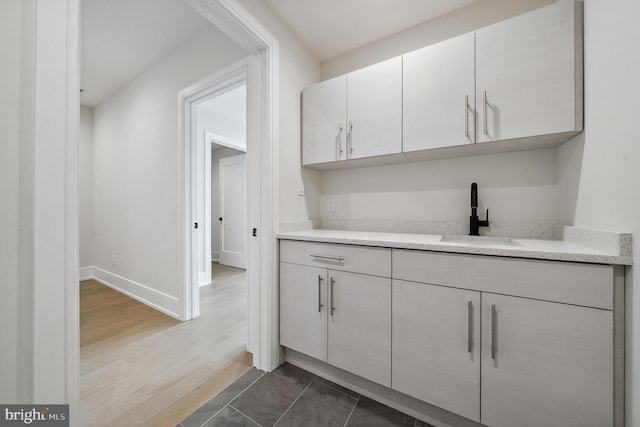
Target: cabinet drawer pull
x,y
492,330
320,293
331,257
484,112
469,326
466,116
333,308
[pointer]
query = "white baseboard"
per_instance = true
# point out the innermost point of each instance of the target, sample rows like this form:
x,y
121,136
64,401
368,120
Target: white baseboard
x,y
430,414
215,256
86,273
160,301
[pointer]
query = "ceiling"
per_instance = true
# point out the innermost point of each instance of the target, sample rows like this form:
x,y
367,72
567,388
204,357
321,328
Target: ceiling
x,y
122,38
329,28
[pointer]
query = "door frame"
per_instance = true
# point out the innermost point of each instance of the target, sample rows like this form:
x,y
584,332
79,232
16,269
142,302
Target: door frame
x,y
200,180
263,87
222,192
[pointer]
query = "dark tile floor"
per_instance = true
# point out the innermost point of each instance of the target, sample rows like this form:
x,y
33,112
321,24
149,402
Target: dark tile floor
x,y
290,396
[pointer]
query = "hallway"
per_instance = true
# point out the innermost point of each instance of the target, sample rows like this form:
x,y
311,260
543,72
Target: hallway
x,y
140,367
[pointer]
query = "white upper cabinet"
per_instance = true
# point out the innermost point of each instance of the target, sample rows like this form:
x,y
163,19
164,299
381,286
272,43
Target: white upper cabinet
x,y
324,115
529,75
355,116
374,110
517,84
439,95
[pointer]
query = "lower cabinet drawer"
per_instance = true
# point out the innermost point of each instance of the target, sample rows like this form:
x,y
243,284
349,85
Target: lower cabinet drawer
x,y
589,285
356,259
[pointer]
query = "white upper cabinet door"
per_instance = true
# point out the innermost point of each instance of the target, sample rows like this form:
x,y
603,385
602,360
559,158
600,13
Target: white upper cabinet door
x,y
551,364
303,309
360,325
374,112
436,346
324,115
439,95
529,74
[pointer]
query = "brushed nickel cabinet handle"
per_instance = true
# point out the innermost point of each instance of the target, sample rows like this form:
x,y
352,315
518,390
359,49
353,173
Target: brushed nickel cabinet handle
x,y
492,338
320,293
333,308
350,140
331,257
484,112
469,326
339,141
466,116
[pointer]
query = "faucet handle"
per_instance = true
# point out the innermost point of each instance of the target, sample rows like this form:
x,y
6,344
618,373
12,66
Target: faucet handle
x,y
485,222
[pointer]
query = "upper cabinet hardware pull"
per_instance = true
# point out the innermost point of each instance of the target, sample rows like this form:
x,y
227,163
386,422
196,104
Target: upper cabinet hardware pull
x,y
466,116
484,112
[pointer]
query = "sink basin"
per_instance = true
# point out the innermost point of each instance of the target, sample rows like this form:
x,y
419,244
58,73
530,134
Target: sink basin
x,y
479,240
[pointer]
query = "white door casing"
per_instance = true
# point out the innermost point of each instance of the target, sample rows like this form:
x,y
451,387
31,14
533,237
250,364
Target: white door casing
x,y
233,229
263,130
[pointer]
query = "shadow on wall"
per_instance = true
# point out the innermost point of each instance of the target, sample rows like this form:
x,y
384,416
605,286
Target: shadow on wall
x,y
569,169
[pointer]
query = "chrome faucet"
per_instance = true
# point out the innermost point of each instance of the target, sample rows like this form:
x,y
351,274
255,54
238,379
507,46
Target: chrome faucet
x,y
474,221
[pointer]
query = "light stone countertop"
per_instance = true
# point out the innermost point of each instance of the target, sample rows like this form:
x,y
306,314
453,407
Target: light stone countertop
x,y
580,249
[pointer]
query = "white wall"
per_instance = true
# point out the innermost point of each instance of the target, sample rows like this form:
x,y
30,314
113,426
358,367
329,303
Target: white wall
x,y
216,155
517,188
599,171
85,187
136,215
298,69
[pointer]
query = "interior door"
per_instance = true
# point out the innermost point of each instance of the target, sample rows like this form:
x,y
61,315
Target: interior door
x,y
233,223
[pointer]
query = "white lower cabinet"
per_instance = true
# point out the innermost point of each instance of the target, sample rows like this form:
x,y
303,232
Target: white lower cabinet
x,y
551,364
339,317
436,346
501,341
303,313
360,325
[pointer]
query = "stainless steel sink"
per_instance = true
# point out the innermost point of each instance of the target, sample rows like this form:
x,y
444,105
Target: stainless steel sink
x,y
479,240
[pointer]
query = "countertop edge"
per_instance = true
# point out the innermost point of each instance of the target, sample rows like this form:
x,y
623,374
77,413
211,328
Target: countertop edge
x,y
609,259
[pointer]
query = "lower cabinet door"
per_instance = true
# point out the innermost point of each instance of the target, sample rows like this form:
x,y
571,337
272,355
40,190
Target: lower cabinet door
x,y
545,364
436,346
360,325
303,309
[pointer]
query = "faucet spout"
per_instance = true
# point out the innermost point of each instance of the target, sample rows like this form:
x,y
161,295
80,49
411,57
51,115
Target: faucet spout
x,y
474,221
474,195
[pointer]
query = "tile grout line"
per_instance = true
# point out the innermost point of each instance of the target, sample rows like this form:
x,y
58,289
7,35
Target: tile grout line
x,y
293,403
244,415
333,388
230,400
352,411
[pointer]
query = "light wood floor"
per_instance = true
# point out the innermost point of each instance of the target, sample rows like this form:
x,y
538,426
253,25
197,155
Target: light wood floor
x,y
139,367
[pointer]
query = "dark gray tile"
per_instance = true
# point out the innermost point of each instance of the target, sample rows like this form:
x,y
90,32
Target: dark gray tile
x,y
229,417
319,406
337,387
369,413
220,400
267,399
422,424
